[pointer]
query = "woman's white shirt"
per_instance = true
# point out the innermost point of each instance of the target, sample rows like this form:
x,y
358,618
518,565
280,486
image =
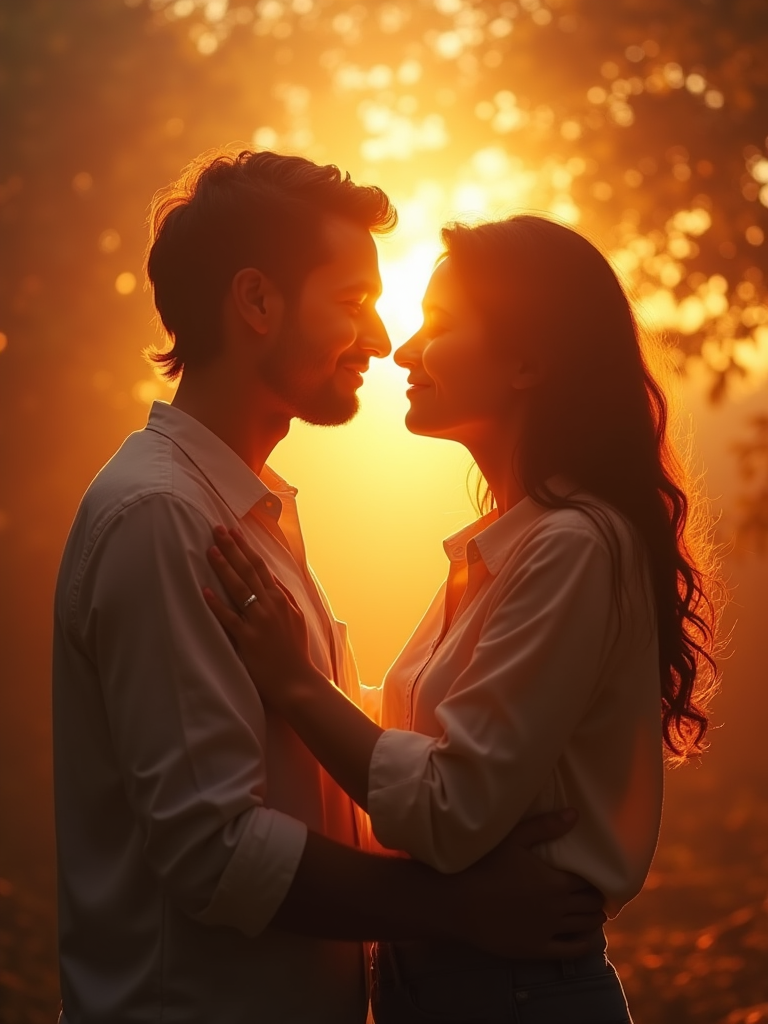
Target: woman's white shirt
x,y
531,684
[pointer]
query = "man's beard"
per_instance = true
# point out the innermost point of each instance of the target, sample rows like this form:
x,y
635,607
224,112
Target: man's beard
x,y
288,377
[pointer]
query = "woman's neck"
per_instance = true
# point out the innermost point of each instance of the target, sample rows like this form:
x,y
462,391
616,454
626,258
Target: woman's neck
x,y
494,454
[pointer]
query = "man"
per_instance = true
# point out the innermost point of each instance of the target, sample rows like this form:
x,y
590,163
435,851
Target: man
x,y
209,869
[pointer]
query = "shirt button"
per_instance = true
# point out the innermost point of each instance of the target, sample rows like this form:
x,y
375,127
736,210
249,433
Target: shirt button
x,y
521,996
269,504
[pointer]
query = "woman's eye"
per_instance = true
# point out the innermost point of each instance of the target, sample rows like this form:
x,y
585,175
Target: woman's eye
x,y
434,327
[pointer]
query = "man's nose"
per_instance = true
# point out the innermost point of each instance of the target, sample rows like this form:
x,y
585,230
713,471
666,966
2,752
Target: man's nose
x,y
375,338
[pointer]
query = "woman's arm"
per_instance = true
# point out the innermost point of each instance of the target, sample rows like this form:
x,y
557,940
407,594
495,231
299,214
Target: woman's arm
x,y
271,637
512,697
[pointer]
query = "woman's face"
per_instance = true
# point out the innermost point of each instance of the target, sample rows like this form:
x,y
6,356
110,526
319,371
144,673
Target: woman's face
x,y
461,386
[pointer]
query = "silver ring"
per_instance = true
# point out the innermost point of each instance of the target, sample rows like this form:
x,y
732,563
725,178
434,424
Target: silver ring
x,y
249,601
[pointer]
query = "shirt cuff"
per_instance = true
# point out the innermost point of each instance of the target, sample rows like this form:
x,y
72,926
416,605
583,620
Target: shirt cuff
x,y
396,787
259,873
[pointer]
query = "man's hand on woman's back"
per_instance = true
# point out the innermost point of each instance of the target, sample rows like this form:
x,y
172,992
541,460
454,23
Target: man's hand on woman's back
x,y
514,904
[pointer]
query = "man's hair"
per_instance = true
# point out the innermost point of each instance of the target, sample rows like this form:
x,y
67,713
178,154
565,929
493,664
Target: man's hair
x,y
231,211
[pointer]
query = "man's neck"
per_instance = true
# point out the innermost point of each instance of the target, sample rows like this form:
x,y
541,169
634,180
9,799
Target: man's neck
x,y
241,414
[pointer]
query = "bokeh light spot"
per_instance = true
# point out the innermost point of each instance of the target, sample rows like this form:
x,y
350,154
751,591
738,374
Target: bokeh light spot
x,y
207,43
673,75
602,191
147,391
109,241
265,138
696,84
3,341
125,283
82,183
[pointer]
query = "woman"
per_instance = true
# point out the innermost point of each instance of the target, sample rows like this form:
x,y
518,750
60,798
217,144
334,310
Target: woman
x,y
570,641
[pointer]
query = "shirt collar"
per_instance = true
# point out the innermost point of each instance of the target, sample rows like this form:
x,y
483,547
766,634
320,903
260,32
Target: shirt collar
x,y
235,482
492,537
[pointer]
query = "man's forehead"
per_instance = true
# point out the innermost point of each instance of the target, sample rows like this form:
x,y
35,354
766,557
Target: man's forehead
x,y
347,240
351,254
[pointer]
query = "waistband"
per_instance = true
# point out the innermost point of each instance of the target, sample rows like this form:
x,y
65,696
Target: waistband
x,y
419,958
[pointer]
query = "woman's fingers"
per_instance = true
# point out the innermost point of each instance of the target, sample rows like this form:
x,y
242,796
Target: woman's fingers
x,y
228,618
237,559
254,559
239,583
588,901
585,922
579,945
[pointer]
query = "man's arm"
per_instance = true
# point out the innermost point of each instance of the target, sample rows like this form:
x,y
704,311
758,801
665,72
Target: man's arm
x,y
186,725
510,903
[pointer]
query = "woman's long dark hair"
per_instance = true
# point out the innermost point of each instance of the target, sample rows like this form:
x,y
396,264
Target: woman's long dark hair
x,y
600,419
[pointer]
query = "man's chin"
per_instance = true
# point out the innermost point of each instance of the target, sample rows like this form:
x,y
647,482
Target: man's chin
x,y
330,413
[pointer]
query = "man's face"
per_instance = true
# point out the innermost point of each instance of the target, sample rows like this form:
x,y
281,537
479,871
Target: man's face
x,y
330,333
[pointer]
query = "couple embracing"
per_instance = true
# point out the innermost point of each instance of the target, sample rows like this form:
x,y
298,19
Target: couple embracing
x,y
245,833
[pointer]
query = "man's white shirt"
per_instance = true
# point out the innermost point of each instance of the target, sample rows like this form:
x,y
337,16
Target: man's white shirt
x,y
182,806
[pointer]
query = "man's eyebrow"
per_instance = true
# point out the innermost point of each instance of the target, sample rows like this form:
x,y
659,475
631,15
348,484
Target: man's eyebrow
x,y
366,286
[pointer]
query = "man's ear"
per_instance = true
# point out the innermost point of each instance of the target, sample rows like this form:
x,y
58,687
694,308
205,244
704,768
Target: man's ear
x,y
256,299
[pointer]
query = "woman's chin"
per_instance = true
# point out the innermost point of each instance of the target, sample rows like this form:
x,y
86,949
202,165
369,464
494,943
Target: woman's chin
x,y
415,423
424,426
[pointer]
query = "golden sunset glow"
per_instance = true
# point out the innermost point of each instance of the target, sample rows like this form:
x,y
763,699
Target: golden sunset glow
x,y
641,124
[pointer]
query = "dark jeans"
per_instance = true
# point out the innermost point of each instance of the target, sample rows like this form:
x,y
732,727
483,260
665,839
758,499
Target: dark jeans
x,y
428,983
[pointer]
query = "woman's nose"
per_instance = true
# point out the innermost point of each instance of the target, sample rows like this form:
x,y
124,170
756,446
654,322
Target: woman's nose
x,y
408,355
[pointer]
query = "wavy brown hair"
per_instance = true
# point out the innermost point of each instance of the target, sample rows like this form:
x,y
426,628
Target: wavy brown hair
x,y
600,419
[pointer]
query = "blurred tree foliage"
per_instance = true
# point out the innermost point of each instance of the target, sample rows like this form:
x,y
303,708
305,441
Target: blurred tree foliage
x,y
648,117
752,456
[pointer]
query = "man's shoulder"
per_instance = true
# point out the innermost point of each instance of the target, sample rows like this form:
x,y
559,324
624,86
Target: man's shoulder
x,y
142,466
147,470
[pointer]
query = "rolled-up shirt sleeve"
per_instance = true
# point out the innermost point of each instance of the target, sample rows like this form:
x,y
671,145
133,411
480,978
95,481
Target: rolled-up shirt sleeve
x,y
447,800
184,718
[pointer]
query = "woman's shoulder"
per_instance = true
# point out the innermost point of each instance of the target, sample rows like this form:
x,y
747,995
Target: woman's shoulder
x,y
594,523
585,518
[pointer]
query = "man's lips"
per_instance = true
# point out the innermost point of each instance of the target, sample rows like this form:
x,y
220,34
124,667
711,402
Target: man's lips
x,y
356,371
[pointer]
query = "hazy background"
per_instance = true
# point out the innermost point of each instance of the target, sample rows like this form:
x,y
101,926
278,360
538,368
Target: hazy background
x,y
644,123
